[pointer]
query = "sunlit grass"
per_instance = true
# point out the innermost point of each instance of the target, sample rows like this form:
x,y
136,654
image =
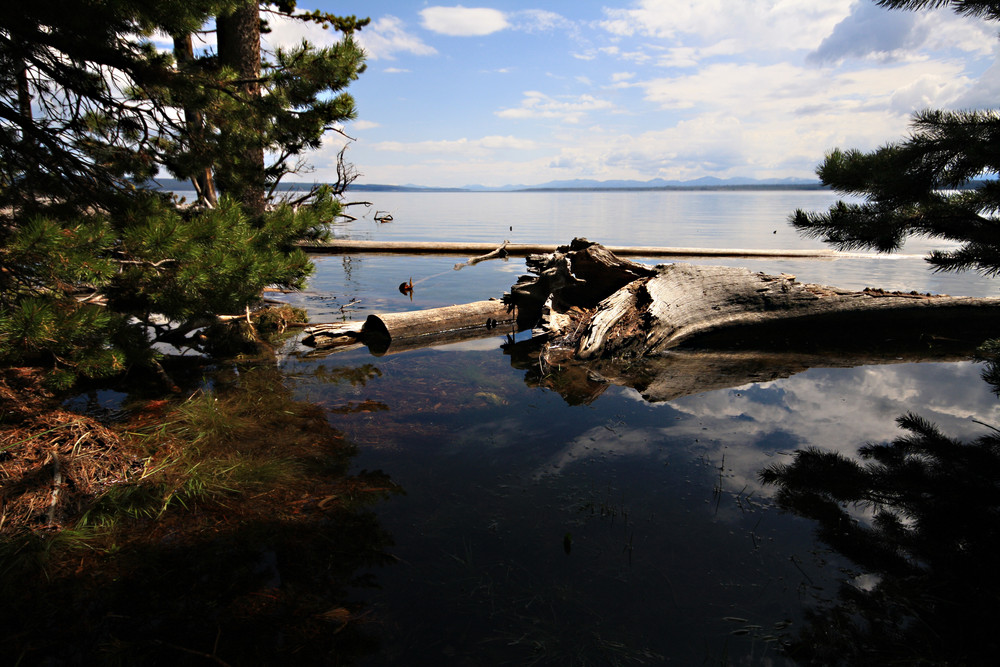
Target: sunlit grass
x,y
217,452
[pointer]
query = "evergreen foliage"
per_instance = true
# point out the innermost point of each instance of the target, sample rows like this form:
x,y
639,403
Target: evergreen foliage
x,y
95,271
938,183
258,113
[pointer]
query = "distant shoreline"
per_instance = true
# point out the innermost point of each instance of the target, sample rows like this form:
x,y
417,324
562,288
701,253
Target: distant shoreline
x,y
683,188
176,185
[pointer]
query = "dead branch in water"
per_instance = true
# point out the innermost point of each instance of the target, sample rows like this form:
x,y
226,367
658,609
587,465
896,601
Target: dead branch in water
x,y
499,253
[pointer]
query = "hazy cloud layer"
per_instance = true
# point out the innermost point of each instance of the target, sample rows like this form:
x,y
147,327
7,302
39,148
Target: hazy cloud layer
x,y
649,89
387,38
461,146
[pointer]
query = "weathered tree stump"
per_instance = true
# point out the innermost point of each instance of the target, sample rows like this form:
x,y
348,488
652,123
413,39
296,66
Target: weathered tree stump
x,y
592,304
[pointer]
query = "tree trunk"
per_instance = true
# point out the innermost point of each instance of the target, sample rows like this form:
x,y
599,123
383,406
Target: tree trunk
x,y
194,123
24,99
238,35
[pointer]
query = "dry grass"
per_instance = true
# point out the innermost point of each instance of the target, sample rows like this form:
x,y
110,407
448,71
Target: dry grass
x,y
223,524
53,463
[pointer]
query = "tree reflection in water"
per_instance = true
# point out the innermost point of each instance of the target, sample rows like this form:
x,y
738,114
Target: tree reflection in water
x,y
920,516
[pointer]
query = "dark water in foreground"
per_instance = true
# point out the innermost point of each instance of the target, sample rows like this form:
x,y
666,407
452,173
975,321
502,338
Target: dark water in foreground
x,y
548,520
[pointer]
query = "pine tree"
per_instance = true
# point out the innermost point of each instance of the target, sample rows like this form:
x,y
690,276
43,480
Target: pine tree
x,y
937,183
95,271
279,104
242,174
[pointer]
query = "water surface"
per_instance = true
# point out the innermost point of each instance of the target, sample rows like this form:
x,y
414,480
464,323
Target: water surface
x,y
546,526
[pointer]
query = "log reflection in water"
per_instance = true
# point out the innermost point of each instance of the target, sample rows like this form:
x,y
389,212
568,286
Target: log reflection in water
x,y
683,372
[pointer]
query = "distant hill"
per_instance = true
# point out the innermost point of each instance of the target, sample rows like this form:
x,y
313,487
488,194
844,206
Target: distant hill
x,y
704,183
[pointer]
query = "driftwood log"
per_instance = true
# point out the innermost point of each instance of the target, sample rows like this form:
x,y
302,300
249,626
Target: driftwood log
x,y
357,247
419,328
588,304
591,304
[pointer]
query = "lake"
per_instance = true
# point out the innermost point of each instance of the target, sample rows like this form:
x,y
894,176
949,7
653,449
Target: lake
x,y
572,521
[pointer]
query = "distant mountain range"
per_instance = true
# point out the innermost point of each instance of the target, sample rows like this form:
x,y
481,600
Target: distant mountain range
x,y
704,183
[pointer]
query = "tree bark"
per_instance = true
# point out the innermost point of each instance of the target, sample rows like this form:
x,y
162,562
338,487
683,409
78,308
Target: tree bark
x,y
24,99
238,35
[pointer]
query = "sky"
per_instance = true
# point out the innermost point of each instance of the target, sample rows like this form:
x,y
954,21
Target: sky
x,y
522,92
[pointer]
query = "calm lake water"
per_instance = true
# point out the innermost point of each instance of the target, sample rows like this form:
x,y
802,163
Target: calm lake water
x,y
542,525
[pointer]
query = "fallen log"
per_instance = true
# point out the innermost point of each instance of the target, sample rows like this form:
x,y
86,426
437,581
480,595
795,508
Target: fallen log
x,y
417,328
591,304
485,315
351,246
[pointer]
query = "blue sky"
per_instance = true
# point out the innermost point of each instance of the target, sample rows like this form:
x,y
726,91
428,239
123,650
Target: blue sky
x,y
514,92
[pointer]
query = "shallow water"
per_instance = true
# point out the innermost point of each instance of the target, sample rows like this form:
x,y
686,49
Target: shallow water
x,y
672,219
548,527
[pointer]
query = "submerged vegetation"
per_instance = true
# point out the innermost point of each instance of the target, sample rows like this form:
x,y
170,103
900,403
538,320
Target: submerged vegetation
x,y
222,526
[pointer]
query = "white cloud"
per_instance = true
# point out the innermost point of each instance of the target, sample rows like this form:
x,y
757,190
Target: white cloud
x,y
457,169
539,20
768,24
287,33
462,21
466,147
932,91
539,105
396,70
750,90
691,56
364,125
985,93
386,37
383,38
870,30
